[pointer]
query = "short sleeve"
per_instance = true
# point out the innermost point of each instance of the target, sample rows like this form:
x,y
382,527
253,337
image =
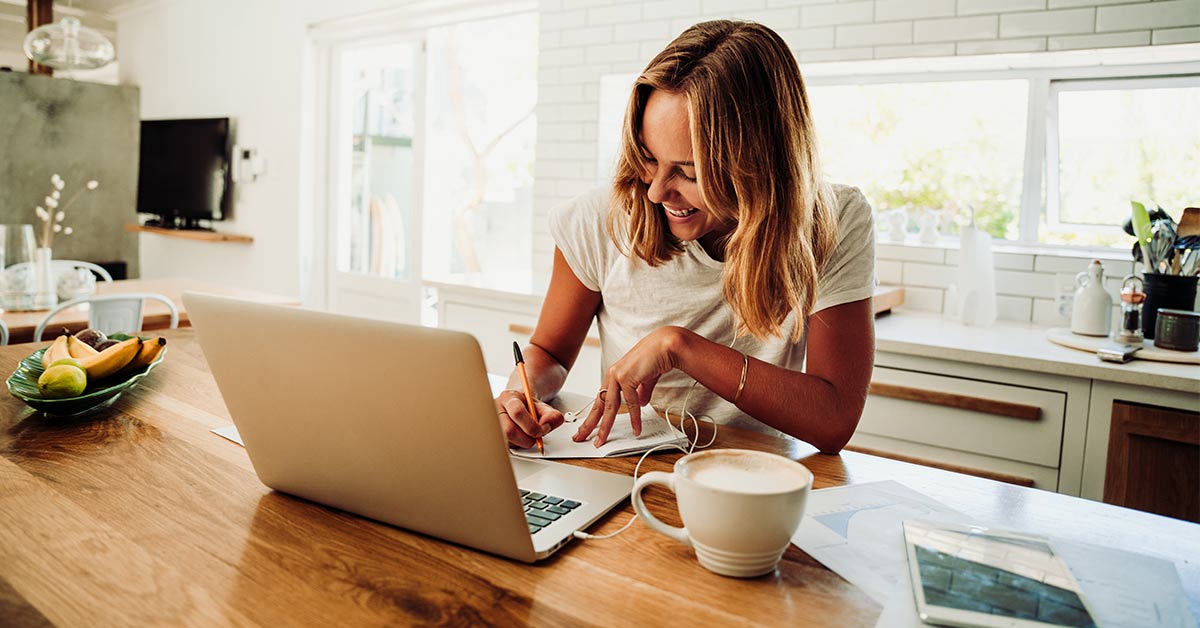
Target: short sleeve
x,y
579,230
849,275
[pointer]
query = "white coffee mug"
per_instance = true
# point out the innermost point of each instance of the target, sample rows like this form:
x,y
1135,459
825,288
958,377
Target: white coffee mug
x,y
740,508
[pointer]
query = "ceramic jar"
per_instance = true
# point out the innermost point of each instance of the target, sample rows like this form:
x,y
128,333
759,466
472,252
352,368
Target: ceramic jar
x,y
1092,312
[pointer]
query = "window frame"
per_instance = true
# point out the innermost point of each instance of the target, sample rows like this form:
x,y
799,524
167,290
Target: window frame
x,y
1043,71
1053,222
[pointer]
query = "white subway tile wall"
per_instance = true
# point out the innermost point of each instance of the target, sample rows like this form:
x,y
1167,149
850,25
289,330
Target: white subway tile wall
x,y
1103,40
583,40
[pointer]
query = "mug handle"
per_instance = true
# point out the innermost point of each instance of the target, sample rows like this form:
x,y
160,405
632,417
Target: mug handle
x,y
662,479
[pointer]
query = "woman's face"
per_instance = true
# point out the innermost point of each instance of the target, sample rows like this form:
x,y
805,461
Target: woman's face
x,y
671,175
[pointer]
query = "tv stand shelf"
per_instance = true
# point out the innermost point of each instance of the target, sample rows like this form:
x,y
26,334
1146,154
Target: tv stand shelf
x,y
192,234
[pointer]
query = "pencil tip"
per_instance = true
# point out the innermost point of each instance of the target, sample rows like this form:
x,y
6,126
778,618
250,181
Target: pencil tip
x,y
517,353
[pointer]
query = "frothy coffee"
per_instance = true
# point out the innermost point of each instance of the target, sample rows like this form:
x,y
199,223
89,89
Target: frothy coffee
x,y
744,473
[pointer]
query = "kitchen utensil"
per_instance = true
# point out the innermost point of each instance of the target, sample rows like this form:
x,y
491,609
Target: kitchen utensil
x,y
1162,239
1175,292
1091,314
1141,231
1189,223
1177,330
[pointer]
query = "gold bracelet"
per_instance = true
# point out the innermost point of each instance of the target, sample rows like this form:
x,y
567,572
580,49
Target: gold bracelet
x,y
741,383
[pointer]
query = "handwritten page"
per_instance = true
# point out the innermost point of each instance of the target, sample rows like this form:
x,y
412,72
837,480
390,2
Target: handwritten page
x,y
621,441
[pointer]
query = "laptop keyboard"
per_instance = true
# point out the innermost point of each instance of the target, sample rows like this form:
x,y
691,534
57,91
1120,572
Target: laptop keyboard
x,y
541,510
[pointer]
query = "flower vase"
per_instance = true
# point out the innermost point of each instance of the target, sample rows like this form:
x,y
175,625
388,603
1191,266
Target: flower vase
x,y
46,296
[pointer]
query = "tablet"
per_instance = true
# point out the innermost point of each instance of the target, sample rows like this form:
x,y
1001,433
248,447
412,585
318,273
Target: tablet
x,y
982,578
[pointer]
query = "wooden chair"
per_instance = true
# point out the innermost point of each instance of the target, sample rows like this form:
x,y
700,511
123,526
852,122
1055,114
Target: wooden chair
x,y
112,313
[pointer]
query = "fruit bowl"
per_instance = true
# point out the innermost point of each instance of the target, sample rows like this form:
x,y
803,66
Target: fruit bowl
x,y
22,384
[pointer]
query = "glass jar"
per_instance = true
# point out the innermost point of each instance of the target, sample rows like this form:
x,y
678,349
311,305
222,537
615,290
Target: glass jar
x,y
18,281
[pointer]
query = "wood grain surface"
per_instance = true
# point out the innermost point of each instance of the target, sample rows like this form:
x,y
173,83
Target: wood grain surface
x,y
141,516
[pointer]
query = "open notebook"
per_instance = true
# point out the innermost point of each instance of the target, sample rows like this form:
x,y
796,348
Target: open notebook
x,y
621,441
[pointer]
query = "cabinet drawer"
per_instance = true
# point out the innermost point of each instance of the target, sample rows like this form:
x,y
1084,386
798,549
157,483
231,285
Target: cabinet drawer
x,y
1000,420
496,329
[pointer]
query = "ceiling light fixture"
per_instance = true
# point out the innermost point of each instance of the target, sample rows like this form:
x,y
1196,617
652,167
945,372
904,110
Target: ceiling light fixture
x,y
69,45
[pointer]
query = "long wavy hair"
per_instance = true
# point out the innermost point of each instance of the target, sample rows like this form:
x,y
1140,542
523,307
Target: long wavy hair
x,y
755,150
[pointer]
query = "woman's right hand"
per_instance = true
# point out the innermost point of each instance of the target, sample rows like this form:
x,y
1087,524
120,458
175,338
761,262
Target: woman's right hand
x,y
519,427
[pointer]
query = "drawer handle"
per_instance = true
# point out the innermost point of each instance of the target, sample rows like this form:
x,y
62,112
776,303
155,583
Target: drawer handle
x,y
979,473
975,404
528,331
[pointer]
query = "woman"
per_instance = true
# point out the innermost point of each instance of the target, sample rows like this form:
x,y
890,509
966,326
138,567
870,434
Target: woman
x,y
719,256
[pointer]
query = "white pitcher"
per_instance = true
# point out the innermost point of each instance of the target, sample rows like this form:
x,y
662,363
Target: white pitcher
x,y
1092,312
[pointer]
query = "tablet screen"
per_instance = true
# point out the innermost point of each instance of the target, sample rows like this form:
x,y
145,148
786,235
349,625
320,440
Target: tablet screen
x,y
975,571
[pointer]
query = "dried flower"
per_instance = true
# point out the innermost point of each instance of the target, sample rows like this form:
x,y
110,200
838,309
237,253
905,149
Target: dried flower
x,y
52,221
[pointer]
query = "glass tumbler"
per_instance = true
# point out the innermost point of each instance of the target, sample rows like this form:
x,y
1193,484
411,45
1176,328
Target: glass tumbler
x,y
18,284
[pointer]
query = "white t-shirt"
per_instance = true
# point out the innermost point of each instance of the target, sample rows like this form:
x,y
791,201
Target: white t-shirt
x,y
637,298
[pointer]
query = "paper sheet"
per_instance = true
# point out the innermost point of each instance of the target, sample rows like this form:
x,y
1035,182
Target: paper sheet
x,y
857,531
230,432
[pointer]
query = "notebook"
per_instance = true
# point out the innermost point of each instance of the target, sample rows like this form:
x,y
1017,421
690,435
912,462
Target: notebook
x,y
621,441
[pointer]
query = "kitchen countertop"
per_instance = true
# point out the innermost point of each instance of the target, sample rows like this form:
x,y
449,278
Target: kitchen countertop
x,y
1021,346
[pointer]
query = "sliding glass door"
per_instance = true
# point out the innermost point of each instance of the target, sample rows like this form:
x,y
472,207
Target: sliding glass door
x,y
375,161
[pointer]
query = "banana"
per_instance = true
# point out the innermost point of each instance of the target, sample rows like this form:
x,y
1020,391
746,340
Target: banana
x,y
111,360
149,352
79,349
55,352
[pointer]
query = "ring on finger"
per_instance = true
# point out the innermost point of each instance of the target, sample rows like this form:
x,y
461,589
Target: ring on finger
x,y
601,393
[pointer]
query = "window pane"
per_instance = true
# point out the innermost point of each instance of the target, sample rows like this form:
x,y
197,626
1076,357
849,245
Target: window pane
x,y
480,136
377,93
1117,145
945,146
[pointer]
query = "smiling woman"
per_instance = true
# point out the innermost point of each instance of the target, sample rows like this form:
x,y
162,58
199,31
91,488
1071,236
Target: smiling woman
x,y
719,258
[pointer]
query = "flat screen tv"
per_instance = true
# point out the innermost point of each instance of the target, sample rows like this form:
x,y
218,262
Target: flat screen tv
x,y
184,175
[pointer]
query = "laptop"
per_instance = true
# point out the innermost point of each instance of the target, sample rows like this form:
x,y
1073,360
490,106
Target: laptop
x,y
392,422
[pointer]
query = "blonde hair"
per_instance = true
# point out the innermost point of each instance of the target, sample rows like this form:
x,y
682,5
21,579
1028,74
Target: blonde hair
x,y
756,162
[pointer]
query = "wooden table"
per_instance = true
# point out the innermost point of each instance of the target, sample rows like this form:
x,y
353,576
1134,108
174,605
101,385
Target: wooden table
x,y
142,516
155,316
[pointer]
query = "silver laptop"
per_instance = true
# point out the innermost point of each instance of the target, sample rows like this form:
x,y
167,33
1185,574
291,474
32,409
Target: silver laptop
x,y
393,422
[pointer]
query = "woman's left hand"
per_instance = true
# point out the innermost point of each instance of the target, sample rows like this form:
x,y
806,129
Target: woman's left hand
x,y
632,379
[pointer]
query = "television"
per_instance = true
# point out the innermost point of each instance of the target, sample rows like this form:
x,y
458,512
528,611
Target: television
x,y
185,172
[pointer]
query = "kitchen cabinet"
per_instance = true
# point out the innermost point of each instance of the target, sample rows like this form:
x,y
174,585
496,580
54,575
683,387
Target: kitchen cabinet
x,y
1003,424
1143,450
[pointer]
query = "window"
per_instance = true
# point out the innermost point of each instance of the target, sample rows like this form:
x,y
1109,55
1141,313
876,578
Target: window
x,y
480,131
953,147
1113,141
1050,153
378,88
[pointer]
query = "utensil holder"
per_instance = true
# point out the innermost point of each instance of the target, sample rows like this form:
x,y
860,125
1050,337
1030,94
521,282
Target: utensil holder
x,y
1175,292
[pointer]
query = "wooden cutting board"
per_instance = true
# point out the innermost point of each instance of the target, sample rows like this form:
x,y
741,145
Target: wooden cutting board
x,y
1064,337
886,298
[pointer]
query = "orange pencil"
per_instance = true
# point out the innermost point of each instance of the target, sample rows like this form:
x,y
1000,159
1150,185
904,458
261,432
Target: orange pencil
x,y
528,391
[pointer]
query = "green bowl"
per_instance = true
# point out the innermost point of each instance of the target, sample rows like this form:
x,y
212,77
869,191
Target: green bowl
x,y
22,384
